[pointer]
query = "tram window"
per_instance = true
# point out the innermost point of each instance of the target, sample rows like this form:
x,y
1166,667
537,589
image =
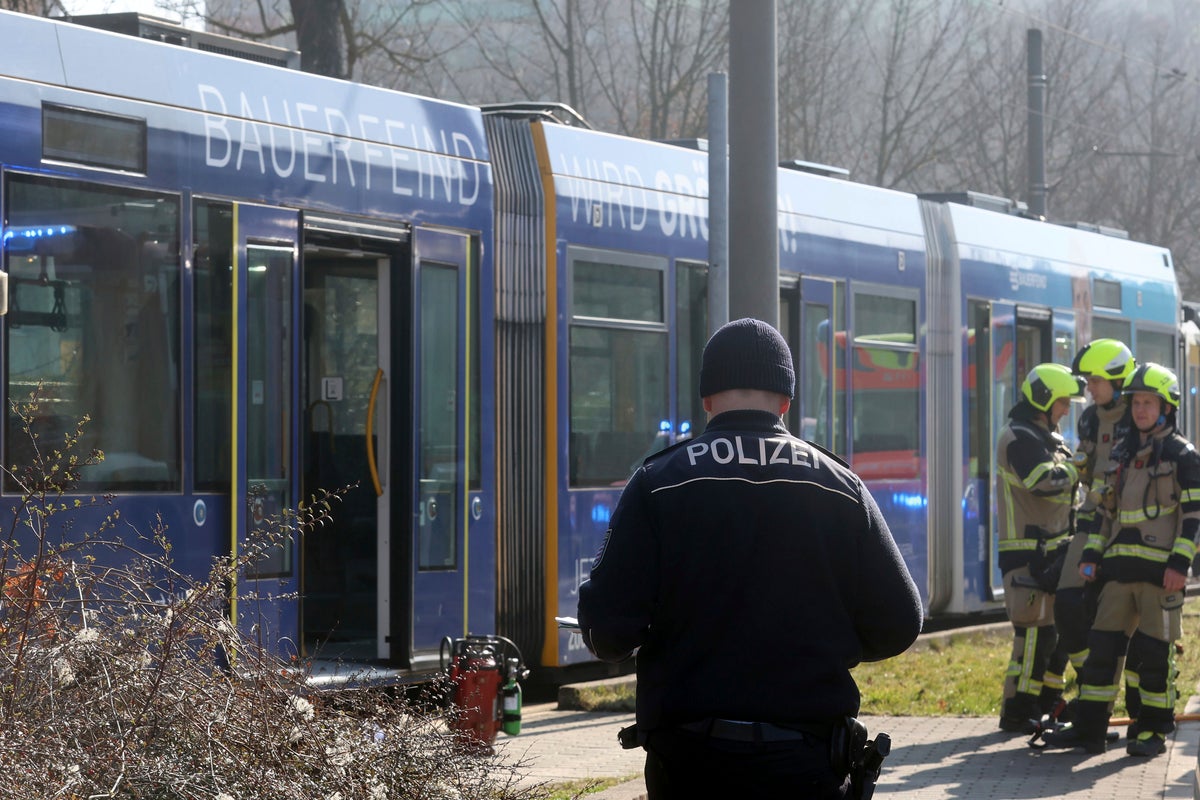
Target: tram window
x,y
438,463
475,433
885,382
618,400
618,367
886,412
213,293
1108,328
94,322
814,378
90,137
979,389
1106,294
616,292
884,319
1156,346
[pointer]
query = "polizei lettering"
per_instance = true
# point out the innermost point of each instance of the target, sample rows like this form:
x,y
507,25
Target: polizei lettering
x,y
752,450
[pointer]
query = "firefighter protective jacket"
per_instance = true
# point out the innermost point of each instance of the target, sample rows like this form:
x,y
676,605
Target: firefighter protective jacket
x,y
753,570
1036,489
1100,428
1156,520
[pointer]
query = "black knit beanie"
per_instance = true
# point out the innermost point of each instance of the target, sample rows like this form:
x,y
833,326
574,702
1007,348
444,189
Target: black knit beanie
x,y
747,354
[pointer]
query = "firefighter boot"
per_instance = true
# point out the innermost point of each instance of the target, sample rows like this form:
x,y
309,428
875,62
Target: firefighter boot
x,y
1147,744
1071,736
1089,730
1020,714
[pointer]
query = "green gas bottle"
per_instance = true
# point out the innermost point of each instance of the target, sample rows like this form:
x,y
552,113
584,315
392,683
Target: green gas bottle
x,y
510,693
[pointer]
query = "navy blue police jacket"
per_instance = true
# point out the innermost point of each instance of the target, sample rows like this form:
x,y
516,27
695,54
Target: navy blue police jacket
x,y
753,570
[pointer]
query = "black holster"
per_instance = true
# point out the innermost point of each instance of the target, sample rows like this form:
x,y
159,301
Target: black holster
x,y
851,753
846,743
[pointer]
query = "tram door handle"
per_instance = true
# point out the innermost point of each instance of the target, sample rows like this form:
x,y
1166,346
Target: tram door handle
x,y
378,474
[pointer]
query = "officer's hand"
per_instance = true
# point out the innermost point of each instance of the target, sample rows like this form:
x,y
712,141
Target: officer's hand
x,y
1174,580
1088,571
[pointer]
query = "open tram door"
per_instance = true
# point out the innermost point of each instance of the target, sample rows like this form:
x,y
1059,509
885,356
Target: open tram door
x,y
387,395
264,462
348,384
1008,340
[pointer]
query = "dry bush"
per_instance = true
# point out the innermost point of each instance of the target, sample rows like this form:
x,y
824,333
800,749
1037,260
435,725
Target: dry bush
x,y
122,678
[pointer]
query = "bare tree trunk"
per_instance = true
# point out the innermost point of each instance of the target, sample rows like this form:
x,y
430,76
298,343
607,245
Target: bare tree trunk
x,y
319,36
40,8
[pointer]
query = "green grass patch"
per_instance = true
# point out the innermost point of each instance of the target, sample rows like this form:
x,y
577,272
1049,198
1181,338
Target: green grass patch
x,y
958,674
616,696
572,790
963,675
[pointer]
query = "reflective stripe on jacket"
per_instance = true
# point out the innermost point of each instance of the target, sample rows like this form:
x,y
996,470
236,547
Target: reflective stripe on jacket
x,y
1036,491
1156,523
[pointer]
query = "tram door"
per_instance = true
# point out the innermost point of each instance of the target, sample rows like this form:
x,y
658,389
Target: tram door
x,y
1020,338
386,405
264,473
346,425
447,506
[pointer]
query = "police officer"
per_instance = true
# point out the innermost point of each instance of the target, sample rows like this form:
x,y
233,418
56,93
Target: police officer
x,y
752,569
1036,493
1104,364
1143,549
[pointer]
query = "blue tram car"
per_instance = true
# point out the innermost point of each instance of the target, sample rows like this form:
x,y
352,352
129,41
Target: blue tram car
x,y
261,283
913,320
258,283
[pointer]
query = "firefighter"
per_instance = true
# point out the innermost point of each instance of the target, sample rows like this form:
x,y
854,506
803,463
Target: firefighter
x,y
1036,489
1104,364
1150,523
747,540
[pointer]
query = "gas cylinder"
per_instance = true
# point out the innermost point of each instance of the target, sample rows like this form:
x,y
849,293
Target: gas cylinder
x,y
511,698
476,691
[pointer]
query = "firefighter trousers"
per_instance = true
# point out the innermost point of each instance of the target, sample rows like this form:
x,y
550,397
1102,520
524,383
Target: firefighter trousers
x,y
1155,619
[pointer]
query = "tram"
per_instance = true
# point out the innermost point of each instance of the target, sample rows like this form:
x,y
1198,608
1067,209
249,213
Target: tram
x,y
259,283
913,320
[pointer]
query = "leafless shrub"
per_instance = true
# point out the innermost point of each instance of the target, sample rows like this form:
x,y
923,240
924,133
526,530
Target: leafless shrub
x,y
122,678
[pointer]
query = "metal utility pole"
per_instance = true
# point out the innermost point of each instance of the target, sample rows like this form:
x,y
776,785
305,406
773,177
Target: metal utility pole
x,y
1036,150
718,201
753,161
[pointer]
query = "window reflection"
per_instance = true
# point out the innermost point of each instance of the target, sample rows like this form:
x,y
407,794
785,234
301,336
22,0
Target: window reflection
x,y
94,320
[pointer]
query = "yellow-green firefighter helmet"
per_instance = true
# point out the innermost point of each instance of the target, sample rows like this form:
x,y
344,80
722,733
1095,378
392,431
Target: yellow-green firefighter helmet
x,y
1046,383
1104,358
1157,379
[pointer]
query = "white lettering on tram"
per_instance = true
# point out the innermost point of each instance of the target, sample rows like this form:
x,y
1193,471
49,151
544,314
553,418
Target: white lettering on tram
x,y
330,147
752,450
1021,277
606,193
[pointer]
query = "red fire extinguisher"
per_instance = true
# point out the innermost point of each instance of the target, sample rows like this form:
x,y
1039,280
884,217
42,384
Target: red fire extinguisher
x,y
477,669
475,677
